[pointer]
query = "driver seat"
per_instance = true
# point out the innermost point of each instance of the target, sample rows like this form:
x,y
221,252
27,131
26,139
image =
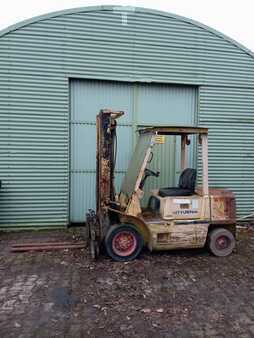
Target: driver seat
x,y
186,185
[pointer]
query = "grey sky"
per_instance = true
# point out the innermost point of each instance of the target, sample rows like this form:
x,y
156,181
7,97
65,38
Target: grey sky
x,y
233,18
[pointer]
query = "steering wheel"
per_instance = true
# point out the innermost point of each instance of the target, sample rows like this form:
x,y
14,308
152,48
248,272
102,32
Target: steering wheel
x,y
147,173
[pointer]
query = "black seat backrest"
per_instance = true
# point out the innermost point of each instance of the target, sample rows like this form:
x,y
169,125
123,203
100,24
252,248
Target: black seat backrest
x,y
187,179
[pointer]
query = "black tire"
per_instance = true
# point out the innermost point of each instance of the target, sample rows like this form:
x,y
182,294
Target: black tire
x,y
113,242
220,242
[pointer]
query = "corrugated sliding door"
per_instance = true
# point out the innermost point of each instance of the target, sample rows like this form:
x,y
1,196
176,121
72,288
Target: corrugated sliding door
x,y
87,98
145,104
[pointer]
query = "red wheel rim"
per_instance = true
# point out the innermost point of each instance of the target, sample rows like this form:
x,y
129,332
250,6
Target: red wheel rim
x,y
222,242
124,243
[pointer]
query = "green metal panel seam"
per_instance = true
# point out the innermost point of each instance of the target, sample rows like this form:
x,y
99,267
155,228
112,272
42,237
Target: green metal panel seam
x,y
145,80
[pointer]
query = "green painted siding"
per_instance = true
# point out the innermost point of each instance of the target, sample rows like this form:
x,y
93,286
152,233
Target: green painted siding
x,y
38,57
229,113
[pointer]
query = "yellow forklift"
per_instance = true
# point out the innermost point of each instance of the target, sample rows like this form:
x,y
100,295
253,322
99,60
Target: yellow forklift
x,y
185,216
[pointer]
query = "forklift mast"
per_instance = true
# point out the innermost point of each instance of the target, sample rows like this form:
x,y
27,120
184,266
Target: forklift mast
x,y
98,222
105,158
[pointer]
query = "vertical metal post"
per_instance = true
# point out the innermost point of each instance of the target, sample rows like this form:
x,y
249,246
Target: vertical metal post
x,y
183,152
205,164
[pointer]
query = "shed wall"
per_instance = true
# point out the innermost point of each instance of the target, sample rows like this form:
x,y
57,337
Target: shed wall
x,y
229,112
37,60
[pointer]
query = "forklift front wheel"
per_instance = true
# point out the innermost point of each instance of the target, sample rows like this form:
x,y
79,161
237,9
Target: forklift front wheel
x,y
221,242
123,242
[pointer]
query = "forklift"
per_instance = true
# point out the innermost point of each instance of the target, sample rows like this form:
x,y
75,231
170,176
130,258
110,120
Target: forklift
x,y
181,217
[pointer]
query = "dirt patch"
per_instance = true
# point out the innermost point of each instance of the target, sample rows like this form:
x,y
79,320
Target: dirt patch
x,y
172,294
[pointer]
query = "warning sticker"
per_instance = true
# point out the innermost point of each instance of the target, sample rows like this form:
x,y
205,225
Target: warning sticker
x,y
159,139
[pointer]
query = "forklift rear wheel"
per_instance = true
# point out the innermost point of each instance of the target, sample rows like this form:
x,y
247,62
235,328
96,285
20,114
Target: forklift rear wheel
x,y
123,242
221,242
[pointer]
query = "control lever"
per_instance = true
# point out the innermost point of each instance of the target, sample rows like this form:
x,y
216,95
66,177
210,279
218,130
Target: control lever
x,y
147,173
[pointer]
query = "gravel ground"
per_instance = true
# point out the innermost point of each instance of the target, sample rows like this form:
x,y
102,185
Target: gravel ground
x,y
171,294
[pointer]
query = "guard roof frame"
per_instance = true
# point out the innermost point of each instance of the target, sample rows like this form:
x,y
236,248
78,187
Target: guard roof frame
x,y
174,130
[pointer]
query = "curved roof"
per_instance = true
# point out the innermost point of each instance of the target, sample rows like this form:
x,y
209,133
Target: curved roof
x,y
125,8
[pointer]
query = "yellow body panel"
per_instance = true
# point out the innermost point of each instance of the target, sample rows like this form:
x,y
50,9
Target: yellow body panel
x,y
175,236
184,207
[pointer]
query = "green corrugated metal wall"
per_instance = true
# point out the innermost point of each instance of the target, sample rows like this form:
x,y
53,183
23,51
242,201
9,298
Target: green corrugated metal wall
x,y
39,56
229,113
